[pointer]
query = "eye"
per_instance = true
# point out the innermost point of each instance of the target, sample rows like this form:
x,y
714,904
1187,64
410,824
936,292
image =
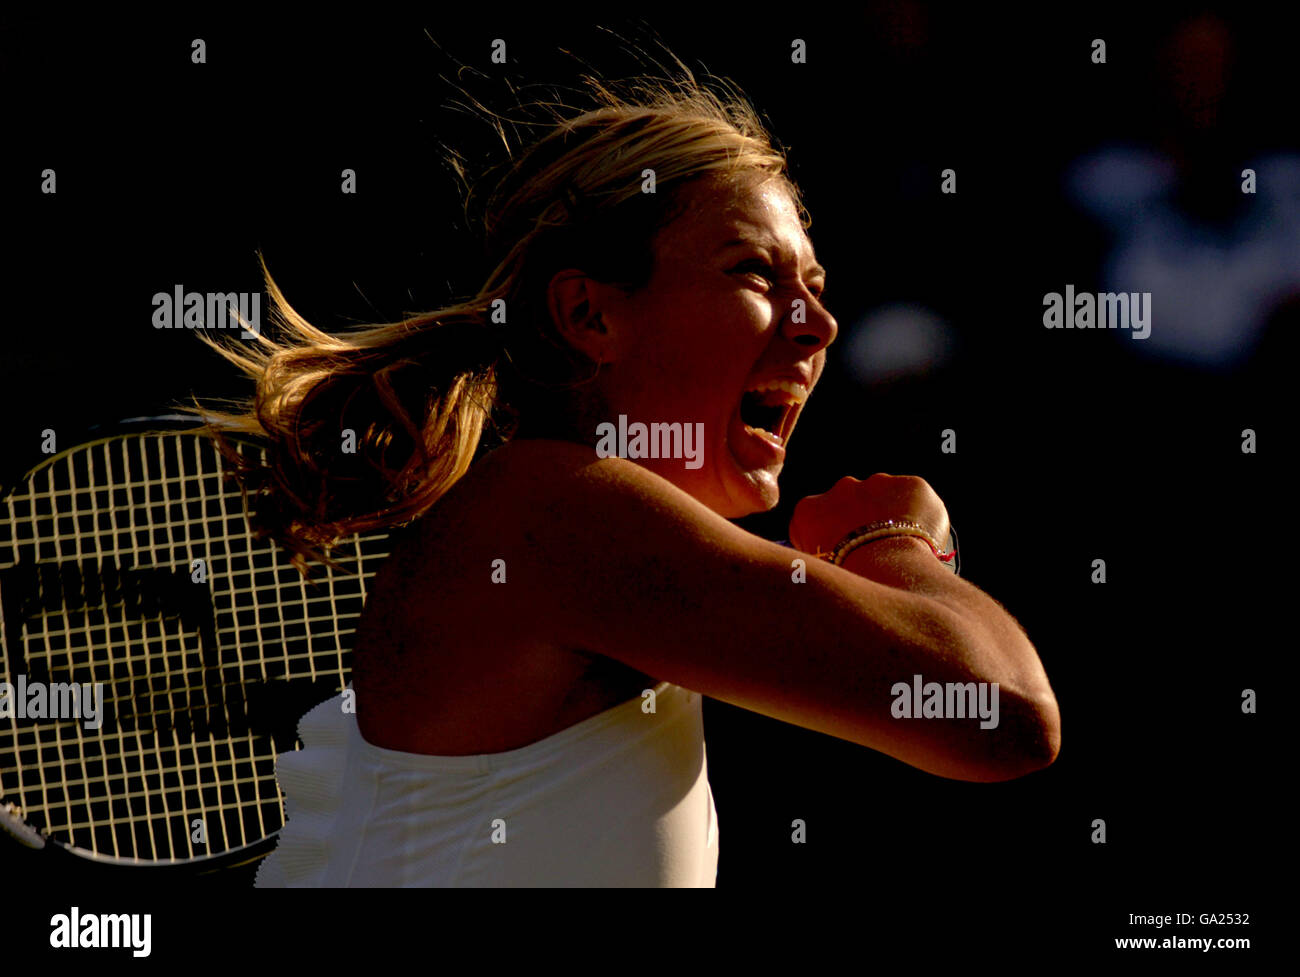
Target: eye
x,y
762,269
767,272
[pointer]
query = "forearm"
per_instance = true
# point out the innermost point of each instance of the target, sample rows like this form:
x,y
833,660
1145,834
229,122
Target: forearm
x,y
1006,654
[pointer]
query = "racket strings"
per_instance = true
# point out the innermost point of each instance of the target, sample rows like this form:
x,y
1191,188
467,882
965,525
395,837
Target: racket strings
x,y
181,740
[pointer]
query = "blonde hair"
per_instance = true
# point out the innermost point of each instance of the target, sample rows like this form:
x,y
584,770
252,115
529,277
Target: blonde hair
x,y
419,393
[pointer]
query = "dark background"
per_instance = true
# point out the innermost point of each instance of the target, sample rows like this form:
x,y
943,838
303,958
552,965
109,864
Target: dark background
x,y
1072,445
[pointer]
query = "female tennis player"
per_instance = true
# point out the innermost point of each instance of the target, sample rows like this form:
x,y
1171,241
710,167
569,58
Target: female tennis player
x,y
526,699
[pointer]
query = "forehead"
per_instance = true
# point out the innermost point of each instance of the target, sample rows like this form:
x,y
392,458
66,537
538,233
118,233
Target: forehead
x,y
718,213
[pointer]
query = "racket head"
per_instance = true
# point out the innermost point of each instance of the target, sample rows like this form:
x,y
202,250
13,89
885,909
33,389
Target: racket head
x,y
128,560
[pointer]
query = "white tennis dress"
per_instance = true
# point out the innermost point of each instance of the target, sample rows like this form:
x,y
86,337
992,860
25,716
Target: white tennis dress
x,y
619,799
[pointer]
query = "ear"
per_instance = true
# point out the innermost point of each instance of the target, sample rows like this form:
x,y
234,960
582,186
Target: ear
x,y
575,302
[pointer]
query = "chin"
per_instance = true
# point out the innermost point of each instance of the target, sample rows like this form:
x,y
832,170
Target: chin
x,y
766,494
732,493
745,492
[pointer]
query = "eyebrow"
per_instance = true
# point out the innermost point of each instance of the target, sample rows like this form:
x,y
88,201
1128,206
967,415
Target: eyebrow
x,y
816,271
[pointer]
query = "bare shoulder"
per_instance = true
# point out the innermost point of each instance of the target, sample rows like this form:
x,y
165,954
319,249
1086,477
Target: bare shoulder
x,y
550,483
530,467
545,548
606,556
547,491
490,562
461,624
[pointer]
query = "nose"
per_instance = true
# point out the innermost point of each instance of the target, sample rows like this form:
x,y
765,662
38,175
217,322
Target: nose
x,y
818,328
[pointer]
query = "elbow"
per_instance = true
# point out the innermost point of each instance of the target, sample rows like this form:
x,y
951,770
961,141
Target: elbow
x,y
1027,735
1027,739
1039,744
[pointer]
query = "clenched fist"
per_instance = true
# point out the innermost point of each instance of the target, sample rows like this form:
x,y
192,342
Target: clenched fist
x,y
821,521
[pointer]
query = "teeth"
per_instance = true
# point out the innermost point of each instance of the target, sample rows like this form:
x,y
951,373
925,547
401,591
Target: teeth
x,y
766,435
797,391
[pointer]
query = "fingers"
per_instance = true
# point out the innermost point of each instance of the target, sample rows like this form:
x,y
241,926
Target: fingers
x,y
821,521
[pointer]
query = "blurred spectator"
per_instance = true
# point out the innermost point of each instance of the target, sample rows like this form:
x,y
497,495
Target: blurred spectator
x,y
1218,261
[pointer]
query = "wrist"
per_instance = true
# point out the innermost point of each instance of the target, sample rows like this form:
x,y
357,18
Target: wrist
x,y
891,560
886,528
906,563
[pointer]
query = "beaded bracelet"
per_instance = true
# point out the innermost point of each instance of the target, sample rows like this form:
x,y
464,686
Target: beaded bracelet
x,y
880,530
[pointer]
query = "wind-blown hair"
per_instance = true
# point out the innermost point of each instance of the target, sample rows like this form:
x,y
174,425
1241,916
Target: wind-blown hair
x,y
418,394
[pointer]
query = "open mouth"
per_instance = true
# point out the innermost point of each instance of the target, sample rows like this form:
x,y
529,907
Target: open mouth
x,y
769,408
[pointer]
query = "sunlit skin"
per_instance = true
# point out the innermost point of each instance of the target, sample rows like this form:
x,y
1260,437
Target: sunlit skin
x,y
711,321
681,593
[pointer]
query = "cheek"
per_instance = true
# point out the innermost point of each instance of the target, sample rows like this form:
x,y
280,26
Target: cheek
x,y
819,367
694,351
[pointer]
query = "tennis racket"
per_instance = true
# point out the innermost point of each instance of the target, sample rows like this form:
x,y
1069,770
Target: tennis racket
x,y
129,561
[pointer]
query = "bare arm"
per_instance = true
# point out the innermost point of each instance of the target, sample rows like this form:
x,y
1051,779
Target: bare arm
x,y
1003,647
616,560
